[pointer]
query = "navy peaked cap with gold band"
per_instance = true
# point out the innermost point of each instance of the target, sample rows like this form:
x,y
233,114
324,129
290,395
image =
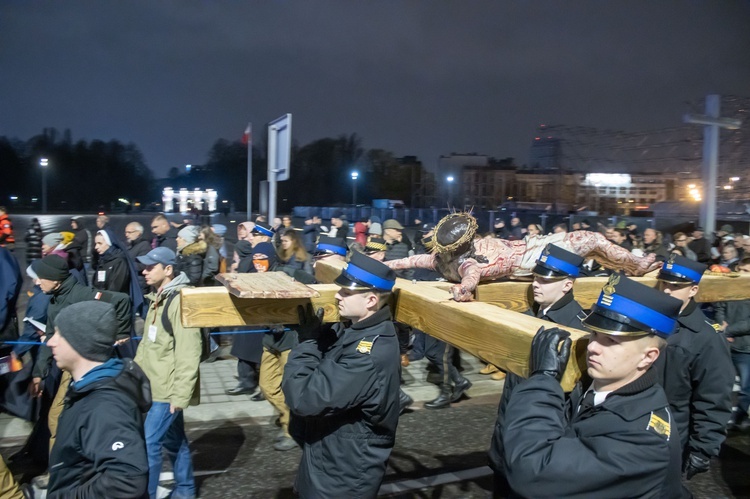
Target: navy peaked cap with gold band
x,y
557,263
364,272
263,229
375,244
629,308
680,270
328,245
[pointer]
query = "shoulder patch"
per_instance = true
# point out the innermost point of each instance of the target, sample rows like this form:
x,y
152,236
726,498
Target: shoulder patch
x,y
717,327
365,346
660,423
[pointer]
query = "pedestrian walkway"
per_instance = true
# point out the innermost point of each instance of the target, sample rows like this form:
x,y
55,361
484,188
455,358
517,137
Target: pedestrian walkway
x,y
219,376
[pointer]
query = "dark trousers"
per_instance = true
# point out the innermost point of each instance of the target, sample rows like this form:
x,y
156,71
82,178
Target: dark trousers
x,y
247,374
441,355
402,332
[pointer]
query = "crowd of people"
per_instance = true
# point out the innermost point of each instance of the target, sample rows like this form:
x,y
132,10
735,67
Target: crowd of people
x,y
651,411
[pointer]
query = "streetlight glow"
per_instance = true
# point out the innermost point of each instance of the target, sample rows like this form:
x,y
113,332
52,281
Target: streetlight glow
x,y
44,162
355,176
449,178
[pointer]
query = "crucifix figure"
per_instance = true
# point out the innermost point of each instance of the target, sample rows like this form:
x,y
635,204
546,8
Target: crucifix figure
x,y
466,261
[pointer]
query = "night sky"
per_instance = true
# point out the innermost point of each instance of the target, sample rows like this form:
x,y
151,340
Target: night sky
x,y
413,77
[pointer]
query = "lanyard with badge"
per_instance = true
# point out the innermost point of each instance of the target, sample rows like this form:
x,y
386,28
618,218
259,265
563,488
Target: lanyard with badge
x,y
152,326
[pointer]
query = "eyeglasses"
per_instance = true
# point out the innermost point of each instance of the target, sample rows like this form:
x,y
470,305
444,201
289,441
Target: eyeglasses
x,y
132,231
680,240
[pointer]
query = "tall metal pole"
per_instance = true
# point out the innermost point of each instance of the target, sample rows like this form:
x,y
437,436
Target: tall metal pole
x,y
710,166
272,154
249,131
712,122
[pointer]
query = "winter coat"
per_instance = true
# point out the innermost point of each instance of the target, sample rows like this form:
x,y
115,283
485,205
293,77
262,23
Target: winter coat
x,y
168,240
702,249
697,375
80,243
627,446
112,272
137,248
100,450
565,311
36,309
343,394
737,316
70,292
210,266
171,361
190,261
33,241
310,237
360,233
293,266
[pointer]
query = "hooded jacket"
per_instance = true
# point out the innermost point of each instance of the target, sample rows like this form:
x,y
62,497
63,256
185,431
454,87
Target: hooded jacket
x,y
171,361
100,449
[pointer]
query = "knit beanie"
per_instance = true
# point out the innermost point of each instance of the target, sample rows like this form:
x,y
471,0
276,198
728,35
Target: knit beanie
x,y
90,327
376,229
51,267
219,229
52,239
189,234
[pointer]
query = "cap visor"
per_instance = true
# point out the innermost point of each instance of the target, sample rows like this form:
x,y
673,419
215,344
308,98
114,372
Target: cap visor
x,y
347,282
612,324
673,279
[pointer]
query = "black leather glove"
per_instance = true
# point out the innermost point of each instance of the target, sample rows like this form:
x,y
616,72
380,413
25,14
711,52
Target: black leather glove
x,y
545,358
696,464
309,322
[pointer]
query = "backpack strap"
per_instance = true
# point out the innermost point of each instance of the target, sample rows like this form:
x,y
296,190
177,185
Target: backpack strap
x,y
165,322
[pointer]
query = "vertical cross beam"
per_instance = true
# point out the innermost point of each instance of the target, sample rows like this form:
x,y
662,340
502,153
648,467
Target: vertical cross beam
x,y
712,122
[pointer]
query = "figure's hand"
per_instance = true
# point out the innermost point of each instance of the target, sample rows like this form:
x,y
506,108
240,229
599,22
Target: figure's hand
x,y
310,322
35,387
696,464
460,293
545,357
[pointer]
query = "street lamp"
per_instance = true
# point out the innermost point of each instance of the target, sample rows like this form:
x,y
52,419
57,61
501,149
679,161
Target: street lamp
x,y
355,176
43,163
450,179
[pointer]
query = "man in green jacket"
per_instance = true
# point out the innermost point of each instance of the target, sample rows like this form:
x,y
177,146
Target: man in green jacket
x,y
169,354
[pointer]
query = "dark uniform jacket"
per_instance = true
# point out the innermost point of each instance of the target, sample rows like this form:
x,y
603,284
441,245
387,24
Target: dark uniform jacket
x,y
623,447
137,248
343,395
70,292
566,311
737,316
697,375
100,449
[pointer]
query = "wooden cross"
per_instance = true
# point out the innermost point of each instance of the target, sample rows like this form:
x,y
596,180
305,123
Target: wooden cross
x,y
490,328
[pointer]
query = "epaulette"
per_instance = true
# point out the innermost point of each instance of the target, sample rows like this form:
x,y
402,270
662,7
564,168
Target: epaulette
x,y
365,345
660,422
715,325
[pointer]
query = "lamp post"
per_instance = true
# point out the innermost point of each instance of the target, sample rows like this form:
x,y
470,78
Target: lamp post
x,y
43,163
450,179
355,176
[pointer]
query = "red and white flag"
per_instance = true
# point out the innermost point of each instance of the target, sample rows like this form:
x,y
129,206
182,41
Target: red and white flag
x,y
247,137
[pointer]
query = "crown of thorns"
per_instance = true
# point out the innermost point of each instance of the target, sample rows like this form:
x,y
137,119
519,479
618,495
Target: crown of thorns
x,y
453,231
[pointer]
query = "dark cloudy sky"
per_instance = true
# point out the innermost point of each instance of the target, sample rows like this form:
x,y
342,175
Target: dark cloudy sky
x,y
415,77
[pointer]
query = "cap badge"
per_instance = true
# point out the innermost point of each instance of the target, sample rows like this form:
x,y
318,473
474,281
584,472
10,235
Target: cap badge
x,y
609,288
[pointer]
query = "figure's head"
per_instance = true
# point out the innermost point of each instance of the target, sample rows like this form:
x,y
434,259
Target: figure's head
x,y
392,230
337,218
262,233
187,235
680,239
455,232
50,242
555,273
650,236
76,222
102,221
729,252
331,247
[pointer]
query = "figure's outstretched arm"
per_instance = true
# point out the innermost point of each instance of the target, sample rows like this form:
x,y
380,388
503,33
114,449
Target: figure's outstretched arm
x,y
470,274
413,262
595,245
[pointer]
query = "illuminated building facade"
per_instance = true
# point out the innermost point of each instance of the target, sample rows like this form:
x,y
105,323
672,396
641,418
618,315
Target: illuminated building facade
x,y
184,200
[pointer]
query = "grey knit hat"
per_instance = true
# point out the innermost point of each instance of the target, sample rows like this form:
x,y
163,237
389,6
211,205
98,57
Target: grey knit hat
x,y
90,327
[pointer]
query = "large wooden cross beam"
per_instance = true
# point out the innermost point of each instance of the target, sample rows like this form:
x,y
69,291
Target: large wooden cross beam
x,y
490,328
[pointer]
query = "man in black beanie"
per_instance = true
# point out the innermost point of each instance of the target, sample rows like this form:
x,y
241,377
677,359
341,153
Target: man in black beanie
x,y
56,280
101,450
